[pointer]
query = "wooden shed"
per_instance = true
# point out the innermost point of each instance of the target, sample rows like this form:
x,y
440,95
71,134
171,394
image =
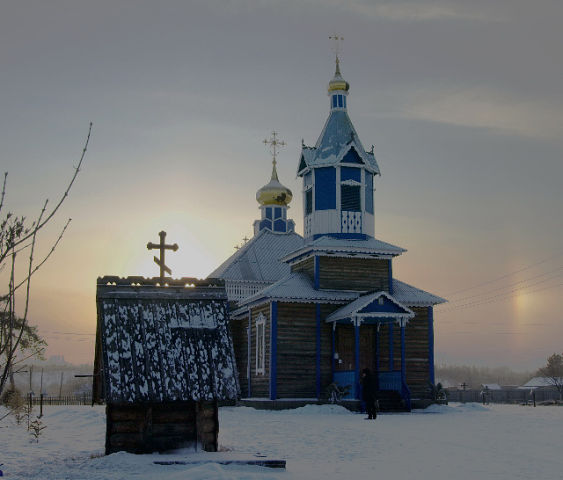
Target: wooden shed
x,y
164,359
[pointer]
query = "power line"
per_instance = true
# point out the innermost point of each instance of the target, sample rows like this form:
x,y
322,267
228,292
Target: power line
x,y
501,297
504,276
510,285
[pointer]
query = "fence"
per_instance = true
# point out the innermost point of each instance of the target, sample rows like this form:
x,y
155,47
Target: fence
x,y
84,399
502,396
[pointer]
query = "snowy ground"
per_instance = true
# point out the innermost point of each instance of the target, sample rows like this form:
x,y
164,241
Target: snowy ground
x,y
501,442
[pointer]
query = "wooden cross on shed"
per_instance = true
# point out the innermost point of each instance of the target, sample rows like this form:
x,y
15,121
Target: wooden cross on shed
x,y
162,247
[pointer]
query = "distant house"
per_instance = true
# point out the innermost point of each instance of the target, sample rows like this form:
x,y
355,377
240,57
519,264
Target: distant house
x,y
538,383
164,358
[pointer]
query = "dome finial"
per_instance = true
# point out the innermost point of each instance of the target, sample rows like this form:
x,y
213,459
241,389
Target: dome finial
x,y
274,193
337,83
274,146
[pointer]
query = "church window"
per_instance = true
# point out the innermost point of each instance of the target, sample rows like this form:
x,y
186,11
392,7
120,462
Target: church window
x,y
277,212
309,202
340,101
269,213
350,198
334,101
260,345
344,101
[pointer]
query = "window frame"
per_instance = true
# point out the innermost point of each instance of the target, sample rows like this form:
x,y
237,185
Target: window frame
x,y
260,348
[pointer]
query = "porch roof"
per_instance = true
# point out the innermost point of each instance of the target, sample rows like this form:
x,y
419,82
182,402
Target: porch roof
x,y
373,308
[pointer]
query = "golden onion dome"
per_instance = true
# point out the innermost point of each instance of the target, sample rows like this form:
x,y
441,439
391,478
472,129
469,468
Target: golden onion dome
x,y
274,193
337,82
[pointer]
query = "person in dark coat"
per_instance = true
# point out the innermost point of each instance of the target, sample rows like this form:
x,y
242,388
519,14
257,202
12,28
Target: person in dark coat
x,y
369,393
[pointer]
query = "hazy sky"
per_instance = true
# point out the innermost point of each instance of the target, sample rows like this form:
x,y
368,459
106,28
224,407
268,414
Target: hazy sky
x,y
463,99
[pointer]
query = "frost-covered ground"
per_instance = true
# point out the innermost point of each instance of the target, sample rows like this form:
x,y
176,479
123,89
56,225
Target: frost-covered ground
x,y
501,442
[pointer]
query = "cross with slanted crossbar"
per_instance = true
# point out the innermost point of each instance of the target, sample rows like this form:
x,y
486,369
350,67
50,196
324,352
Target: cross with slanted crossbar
x,y
162,247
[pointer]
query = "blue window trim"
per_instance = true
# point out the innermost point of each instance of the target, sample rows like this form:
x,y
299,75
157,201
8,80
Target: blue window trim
x,y
431,344
318,346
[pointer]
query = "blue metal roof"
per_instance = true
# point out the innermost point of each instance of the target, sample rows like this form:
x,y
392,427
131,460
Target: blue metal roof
x,y
336,139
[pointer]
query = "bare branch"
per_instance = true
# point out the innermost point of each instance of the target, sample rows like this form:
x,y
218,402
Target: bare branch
x,y
40,264
3,191
52,213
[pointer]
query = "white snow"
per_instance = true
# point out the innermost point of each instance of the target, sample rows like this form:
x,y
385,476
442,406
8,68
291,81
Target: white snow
x,y
460,441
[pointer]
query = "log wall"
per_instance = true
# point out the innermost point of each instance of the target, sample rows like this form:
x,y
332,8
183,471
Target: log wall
x,y
158,427
369,274
417,354
239,335
306,266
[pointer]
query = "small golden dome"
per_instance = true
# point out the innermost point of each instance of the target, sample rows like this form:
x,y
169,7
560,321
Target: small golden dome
x,y
337,82
274,193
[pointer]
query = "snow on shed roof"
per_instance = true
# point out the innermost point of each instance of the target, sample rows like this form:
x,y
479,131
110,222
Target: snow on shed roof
x,y
162,344
296,287
259,259
414,297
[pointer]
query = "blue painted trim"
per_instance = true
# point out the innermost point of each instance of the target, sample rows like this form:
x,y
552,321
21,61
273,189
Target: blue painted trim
x,y
325,188
249,353
403,356
376,349
273,350
431,344
317,272
391,353
357,359
390,267
318,358
354,236
333,351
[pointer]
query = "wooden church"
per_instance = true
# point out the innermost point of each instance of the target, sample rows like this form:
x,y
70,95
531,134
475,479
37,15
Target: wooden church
x,y
314,310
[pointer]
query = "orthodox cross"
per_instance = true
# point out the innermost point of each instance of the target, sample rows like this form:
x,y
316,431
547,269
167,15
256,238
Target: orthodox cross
x,y
337,39
464,386
275,144
162,247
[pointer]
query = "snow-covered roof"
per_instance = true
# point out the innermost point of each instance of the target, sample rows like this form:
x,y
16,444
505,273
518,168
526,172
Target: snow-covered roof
x,y
296,287
369,307
160,344
327,245
259,259
414,297
334,142
539,382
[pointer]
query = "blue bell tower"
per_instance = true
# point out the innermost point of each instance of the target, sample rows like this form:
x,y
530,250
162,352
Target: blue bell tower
x,y
338,174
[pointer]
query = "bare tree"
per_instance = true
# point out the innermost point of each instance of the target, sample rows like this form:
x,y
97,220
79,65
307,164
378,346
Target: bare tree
x,y
19,238
553,372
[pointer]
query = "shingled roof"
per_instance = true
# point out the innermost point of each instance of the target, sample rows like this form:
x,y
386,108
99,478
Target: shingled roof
x,y
169,343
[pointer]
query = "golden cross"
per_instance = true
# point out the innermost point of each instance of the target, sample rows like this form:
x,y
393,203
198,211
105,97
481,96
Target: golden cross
x,y
337,39
274,144
162,247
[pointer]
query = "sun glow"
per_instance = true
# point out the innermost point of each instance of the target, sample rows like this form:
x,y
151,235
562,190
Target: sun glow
x,y
192,259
